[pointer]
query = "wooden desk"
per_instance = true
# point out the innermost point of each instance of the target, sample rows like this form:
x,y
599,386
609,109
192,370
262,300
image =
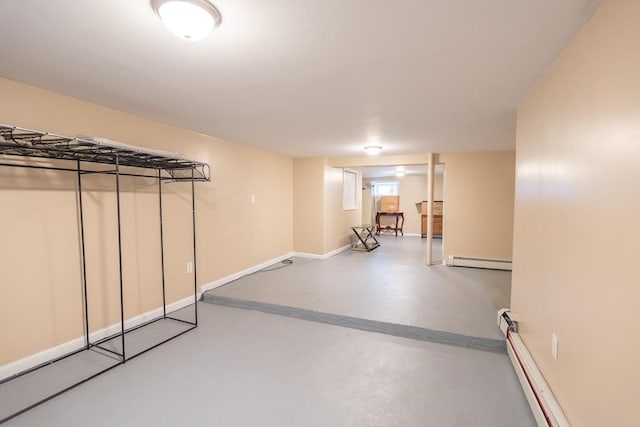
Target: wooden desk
x,y
437,218
399,216
437,226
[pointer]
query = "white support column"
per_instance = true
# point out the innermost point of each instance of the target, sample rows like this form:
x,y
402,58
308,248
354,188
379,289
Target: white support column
x,y
430,188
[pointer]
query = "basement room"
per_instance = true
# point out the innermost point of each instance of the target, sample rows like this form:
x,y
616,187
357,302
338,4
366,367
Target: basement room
x,y
319,213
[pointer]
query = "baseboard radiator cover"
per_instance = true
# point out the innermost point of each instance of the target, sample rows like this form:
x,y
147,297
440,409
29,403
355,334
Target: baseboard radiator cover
x,y
492,264
544,406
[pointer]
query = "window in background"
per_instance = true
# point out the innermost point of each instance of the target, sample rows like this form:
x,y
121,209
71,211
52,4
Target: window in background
x,y
385,188
349,187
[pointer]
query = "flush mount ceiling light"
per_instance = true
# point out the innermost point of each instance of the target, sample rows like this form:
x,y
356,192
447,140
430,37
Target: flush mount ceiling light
x,y
373,150
191,20
400,173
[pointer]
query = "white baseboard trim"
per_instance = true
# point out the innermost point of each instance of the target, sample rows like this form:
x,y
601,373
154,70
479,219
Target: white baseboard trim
x,y
239,274
544,406
231,277
493,264
28,362
307,255
39,358
412,235
33,360
324,256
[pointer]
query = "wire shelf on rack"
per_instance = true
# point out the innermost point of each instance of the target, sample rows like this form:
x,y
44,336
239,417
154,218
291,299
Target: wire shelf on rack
x,y
15,141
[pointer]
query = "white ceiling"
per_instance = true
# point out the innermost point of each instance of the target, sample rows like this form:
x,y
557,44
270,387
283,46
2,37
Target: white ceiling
x,y
390,171
303,78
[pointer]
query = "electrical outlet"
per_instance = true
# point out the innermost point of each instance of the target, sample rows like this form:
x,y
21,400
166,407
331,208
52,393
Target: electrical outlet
x,y
554,346
189,267
253,199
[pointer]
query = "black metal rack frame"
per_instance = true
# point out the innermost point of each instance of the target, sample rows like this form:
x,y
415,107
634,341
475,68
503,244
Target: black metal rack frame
x,y
84,153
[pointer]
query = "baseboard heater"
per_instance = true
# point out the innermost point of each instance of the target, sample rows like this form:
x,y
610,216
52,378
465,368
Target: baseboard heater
x,y
543,403
493,264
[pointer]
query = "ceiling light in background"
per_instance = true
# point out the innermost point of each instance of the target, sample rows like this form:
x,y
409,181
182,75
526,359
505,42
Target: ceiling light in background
x,y
400,173
191,20
373,150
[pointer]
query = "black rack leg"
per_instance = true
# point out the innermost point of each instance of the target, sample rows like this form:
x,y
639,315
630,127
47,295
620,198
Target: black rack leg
x,y
164,295
193,224
84,264
124,357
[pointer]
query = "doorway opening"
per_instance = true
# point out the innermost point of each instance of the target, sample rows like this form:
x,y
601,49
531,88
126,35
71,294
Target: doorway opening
x,y
409,184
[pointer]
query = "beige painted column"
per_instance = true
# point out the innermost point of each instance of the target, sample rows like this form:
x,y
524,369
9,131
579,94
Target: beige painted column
x,y
430,187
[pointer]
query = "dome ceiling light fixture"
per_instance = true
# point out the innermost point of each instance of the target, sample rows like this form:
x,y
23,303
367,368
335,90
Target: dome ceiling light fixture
x,y
191,20
373,150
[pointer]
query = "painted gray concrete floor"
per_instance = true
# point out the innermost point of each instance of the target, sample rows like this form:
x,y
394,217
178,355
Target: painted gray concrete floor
x,y
389,284
246,368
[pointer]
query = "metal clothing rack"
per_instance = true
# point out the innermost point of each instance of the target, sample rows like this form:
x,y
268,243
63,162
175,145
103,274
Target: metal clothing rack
x,y
82,156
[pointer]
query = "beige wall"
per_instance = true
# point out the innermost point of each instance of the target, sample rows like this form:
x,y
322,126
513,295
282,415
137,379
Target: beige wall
x,y
368,213
438,187
308,210
478,204
576,236
321,224
40,272
337,221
